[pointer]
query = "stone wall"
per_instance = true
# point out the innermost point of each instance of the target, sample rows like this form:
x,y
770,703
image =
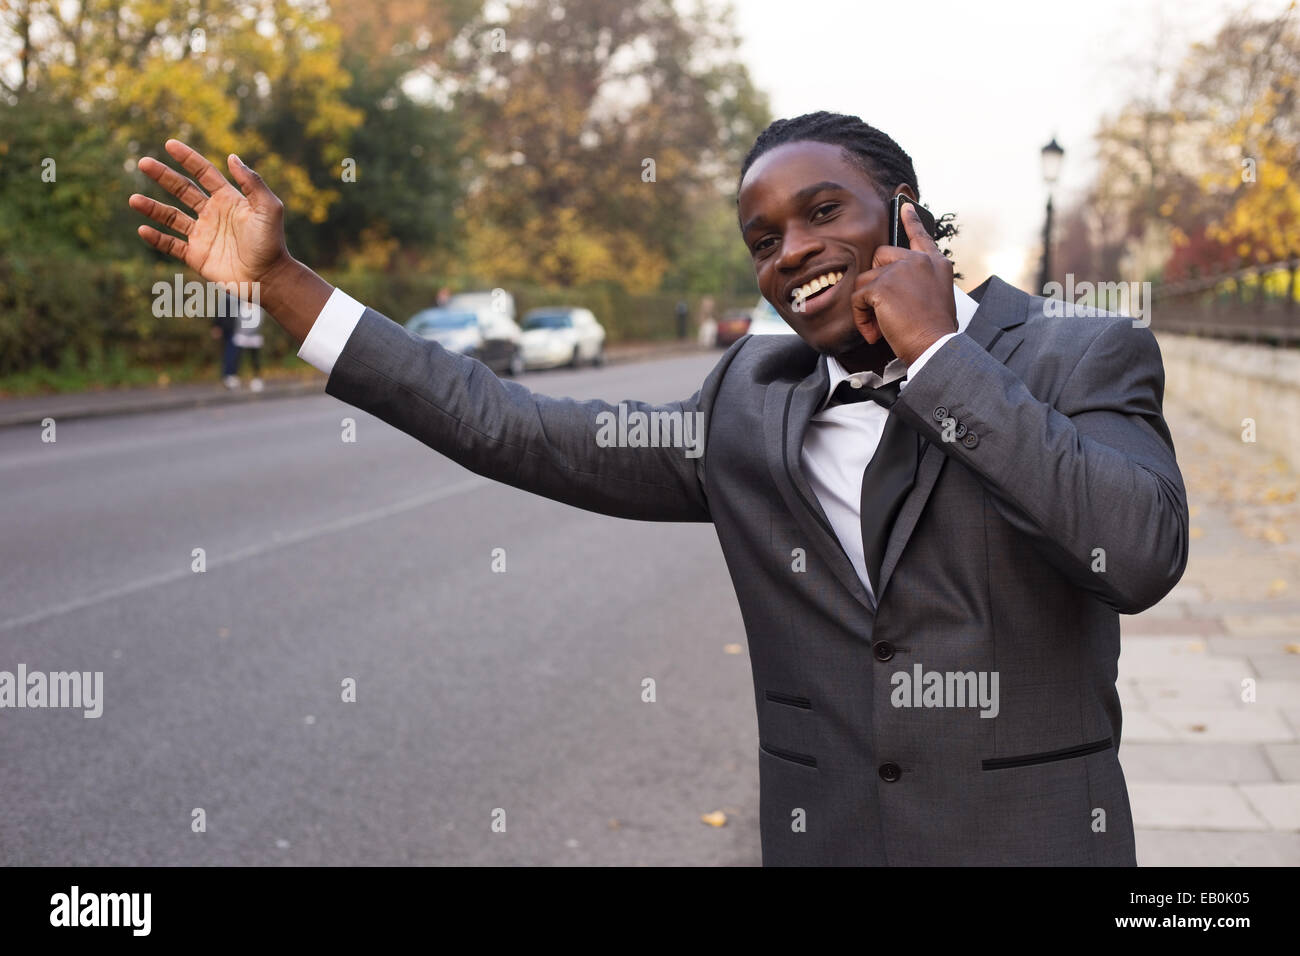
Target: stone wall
x,y
1226,382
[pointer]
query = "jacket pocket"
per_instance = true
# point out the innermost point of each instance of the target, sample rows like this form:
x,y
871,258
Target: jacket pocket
x,y
789,755
791,700
1026,760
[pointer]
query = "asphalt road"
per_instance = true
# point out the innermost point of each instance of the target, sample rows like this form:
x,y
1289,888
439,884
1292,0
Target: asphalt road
x,y
475,691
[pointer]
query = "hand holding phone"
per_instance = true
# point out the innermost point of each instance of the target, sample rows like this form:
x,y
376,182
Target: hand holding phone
x,y
906,296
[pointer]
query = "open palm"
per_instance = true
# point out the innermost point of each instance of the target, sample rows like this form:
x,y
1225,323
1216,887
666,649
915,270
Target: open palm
x,y
238,235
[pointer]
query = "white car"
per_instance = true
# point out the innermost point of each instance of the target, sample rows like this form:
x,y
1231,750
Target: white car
x,y
497,301
559,335
766,321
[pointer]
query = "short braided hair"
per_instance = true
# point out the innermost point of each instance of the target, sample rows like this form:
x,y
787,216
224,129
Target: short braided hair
x,y
870,149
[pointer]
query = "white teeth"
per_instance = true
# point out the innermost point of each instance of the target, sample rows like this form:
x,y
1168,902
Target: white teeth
x,y
816,285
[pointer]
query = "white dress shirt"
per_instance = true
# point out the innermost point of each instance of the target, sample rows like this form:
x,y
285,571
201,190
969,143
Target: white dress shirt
x,y
837,447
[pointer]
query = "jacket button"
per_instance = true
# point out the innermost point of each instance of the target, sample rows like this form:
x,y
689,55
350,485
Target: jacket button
x,y
961,430
971,440
941,413
883,650
889,772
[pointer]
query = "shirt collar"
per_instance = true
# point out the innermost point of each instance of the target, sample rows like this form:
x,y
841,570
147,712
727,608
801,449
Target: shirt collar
x,y
966,307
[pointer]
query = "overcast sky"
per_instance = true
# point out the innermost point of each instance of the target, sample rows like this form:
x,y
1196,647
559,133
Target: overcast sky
x,y
973,91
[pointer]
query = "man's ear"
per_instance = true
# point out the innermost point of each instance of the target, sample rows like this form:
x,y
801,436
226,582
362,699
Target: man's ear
x,y
906,190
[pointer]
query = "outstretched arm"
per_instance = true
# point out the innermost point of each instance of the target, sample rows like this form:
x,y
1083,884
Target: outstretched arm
x,y
588,454
629,460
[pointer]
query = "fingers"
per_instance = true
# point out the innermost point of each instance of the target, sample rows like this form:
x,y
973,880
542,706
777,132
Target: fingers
x,y
916,234
173,182
862,302
250,183
165,215
198,167
163,242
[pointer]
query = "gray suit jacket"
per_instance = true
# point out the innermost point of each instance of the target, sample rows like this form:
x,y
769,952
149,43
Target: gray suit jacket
x,y
1055,505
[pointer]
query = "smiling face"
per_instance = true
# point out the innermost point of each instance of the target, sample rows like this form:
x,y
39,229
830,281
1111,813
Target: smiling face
x,y
810,214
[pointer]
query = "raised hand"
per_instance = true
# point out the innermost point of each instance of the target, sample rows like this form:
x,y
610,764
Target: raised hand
x,y
907,294
238,235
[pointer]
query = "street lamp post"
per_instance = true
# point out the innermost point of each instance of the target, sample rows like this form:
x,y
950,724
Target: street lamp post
x,y
1052,154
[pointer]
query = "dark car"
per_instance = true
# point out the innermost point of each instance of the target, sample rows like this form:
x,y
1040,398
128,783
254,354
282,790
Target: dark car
x,y
733,324
489,336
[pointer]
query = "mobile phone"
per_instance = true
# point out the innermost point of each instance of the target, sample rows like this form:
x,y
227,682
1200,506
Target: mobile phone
x,y
897,231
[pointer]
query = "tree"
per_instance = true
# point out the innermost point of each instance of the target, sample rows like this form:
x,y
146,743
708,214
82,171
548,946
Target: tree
x,y
600,128
261,78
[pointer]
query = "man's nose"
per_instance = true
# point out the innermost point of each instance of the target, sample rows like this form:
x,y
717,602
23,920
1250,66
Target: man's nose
x,y
796,247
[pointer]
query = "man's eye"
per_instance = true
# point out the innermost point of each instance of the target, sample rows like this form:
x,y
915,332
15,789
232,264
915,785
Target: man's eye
x,y
762,243
826,206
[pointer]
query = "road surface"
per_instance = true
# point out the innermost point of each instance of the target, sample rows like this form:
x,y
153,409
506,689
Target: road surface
x,y
476,692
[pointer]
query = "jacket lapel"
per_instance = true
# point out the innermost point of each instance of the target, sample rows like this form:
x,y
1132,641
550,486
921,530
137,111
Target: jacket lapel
x,y
995,326
789,406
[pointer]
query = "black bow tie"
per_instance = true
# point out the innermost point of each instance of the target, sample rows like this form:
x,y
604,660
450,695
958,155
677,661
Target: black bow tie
x,y
846,393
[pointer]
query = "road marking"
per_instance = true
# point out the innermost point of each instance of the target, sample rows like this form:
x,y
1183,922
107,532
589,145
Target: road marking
x,y
66,449
253,551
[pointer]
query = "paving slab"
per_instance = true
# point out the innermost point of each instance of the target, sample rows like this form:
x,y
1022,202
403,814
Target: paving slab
x,y
1193,806
1278,803
1214,848
1214,762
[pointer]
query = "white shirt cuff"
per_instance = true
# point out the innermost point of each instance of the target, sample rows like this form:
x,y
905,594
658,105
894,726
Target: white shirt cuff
x,y
925,357
331,330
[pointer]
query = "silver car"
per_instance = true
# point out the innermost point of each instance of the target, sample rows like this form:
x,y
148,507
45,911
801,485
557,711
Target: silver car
x,y
488,336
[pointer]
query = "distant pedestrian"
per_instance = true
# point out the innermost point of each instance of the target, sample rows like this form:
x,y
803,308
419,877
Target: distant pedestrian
x,y
223,330
247,339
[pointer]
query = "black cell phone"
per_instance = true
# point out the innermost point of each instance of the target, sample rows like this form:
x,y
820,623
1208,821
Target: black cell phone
x,y
897,231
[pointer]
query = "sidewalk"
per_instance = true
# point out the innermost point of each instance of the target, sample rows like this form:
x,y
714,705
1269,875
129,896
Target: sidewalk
x,y
129,401
1213,779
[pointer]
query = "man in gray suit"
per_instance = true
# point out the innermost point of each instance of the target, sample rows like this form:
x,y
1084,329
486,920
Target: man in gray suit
x,y
930,579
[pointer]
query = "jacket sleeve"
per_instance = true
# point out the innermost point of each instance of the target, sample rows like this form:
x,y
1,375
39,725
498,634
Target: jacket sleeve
x,y
560,448
1092,479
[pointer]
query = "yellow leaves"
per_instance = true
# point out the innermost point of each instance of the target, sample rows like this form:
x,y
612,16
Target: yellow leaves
x,y
138,75
374,251
563,249
715,819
